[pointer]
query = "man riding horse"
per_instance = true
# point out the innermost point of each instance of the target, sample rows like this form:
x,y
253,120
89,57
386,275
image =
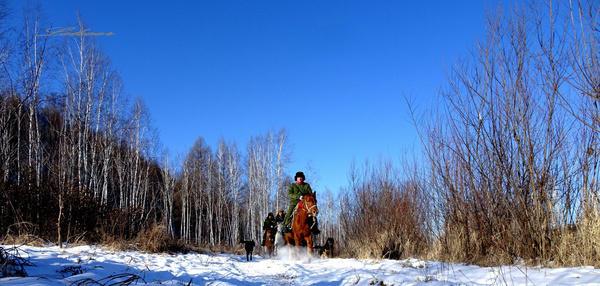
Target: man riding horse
x,y
269,225
295,192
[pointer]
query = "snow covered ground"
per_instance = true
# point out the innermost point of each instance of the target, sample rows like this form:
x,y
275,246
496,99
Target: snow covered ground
x,y
72,266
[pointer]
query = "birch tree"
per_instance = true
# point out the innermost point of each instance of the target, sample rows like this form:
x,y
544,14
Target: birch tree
x,y
168,190
34,62
234,182
7,91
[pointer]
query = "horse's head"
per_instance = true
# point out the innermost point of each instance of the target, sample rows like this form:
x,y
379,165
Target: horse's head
x,y
310,204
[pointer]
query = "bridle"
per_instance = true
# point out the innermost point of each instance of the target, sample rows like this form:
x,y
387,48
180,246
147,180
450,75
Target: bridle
x,y
309,209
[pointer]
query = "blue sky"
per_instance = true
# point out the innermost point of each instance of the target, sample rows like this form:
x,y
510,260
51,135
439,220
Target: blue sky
x,y
333,73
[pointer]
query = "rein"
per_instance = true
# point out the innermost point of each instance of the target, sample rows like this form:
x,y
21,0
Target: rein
x,y
307,208
314,220
304,206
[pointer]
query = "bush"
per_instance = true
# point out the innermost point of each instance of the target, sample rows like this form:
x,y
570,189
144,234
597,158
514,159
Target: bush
x,y
155,239
387,218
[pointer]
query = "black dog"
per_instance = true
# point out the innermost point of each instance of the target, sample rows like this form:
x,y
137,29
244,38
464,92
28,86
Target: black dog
x,y
327,249
324,251
249,246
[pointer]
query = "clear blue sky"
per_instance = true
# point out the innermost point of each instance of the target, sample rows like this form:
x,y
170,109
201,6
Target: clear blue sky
x,y
332,73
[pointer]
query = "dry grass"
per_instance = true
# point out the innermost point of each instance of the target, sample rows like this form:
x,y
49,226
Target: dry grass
x,y
155,239
23,233
569,246
223,248
119,244
579,245
152,240
26,239
458,246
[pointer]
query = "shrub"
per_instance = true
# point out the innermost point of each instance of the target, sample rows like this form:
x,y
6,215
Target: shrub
x,y
155,239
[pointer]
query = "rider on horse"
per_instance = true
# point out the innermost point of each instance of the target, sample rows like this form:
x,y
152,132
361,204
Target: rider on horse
x,y
279,216
271,225
295,193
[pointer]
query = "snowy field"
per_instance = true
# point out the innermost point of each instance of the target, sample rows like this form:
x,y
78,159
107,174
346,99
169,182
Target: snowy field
x,y
90,265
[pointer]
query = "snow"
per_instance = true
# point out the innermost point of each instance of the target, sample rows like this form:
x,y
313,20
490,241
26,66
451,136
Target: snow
x,y
99,264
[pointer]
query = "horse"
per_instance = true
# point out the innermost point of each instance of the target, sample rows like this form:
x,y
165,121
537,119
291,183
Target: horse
x,y
269,243
300,228
249,246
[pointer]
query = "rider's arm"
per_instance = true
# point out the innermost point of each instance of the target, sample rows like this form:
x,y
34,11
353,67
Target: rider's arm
x,y
294,192
308,189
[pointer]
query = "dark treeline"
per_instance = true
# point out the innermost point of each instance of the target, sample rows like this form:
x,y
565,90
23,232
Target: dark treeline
x,y
509,168
77,155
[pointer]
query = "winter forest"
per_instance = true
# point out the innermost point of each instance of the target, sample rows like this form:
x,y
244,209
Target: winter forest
x,y
508,170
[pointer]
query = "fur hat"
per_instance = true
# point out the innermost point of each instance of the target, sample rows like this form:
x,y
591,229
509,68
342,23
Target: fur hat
x,y
299,174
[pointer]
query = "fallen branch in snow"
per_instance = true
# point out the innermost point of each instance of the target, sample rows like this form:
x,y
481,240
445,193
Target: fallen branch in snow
x,y
122,279
71,270
12,262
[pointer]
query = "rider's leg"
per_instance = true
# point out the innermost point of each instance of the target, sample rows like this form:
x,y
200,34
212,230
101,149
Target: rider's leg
x,y
287,221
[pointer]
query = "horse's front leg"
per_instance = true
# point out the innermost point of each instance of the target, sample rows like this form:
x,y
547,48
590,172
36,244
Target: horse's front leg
x,y
297,242
309,246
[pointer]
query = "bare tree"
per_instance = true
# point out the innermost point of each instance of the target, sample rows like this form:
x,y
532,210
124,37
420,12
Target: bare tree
x,y
7,91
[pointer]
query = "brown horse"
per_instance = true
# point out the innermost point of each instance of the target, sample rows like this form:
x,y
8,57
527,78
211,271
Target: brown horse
x,y
300,228
269,243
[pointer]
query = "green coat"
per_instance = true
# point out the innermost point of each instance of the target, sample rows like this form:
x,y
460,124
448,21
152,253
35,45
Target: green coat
x,y
296,190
